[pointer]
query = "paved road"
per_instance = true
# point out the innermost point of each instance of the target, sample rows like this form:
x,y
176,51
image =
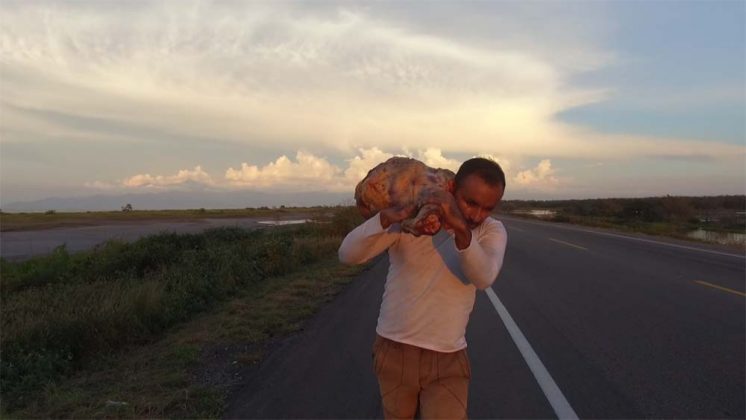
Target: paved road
x,y
625,327
20,245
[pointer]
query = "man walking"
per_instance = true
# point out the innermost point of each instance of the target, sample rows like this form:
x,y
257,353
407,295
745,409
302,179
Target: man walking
x,y
419,354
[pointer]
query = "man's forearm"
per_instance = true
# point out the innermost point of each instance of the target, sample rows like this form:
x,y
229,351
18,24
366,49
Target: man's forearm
x,y
462,237
365,241
482,260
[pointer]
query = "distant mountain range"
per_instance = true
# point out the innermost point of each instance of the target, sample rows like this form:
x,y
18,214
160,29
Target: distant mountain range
x,y
179,200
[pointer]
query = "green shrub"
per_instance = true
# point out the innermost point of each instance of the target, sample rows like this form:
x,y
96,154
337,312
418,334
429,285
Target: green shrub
x,y
36,272
345,220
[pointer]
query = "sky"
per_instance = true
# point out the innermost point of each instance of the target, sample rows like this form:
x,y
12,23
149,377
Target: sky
x,y
580,99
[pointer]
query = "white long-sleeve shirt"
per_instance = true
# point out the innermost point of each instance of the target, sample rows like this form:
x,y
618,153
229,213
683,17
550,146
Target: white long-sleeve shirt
x,y
431,285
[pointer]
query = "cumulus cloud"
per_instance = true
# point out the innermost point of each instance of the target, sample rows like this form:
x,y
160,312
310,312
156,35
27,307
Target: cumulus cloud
x,y
366,160
196,175
434,158
542,176
306,172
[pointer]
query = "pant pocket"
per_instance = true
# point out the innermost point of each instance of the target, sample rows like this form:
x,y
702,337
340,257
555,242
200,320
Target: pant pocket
x,y
379,354
389,366
463,359
454,365
376,345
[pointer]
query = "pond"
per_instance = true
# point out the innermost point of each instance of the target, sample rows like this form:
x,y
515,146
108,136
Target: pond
x,y
537,212
283,222
725,238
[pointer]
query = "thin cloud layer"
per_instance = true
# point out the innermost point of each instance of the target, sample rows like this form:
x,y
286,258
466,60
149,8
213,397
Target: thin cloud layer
x,y
341,80
329,80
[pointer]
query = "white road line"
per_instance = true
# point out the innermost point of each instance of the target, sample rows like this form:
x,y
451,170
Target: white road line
x,y
725,289
568,244
637,239
556,399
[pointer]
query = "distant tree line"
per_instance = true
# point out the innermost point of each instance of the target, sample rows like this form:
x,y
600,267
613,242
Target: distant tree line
x,y
726,210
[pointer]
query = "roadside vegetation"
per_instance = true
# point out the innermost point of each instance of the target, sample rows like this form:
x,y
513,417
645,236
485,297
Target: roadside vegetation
x,y
120,330
673,216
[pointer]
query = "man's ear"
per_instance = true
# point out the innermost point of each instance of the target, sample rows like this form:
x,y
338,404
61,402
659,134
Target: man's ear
x,y
451,186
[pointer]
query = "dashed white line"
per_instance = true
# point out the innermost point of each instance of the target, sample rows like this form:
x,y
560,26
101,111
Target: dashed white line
x,y
725,289
556,399
568,244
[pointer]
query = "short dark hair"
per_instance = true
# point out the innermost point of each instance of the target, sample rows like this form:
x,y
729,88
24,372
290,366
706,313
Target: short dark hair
x,y
487,169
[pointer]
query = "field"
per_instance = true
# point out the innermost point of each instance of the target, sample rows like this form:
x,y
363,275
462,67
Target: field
x,y
52,219
114,331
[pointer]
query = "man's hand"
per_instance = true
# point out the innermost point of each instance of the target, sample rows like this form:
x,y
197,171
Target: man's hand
x,y
396,214
452,216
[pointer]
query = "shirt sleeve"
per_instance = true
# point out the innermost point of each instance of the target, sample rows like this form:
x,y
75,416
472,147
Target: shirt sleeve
x,y
366,241
482,260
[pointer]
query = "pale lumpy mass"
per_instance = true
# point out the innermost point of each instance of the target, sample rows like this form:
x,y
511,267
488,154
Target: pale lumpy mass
x,y
402,181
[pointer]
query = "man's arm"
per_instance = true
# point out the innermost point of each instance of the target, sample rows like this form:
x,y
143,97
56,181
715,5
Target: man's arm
x,y
482,260
373,236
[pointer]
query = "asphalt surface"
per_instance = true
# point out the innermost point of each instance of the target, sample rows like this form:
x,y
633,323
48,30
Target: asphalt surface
x,y
624,325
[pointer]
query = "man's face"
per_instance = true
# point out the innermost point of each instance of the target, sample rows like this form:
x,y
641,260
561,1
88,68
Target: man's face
x,y
476,199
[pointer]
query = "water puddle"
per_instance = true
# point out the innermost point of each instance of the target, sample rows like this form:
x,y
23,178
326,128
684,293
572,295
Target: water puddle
x,y
283,222
537,212
725,238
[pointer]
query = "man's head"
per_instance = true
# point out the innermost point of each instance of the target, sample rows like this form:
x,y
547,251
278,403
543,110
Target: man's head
x,y
478,187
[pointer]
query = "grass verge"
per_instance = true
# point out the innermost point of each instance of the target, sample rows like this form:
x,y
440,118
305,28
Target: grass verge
x,y
189,372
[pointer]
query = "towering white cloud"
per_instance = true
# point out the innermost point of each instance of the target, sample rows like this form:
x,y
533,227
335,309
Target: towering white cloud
x,y
434,157
542,176
183,176
364,162
307,170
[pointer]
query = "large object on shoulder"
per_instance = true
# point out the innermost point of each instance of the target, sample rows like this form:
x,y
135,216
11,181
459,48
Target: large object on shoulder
x,y
402,181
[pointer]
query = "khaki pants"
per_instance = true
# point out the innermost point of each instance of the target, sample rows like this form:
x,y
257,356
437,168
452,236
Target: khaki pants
x,y
408,375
